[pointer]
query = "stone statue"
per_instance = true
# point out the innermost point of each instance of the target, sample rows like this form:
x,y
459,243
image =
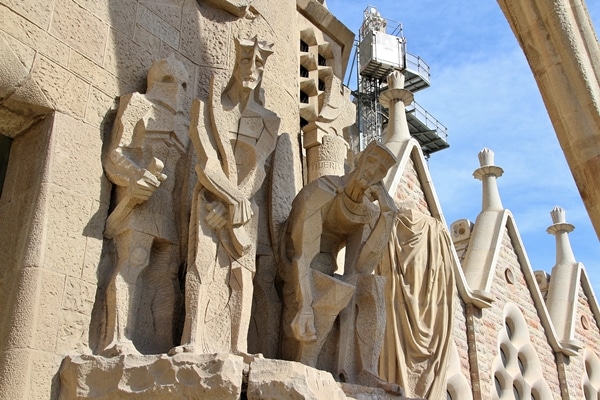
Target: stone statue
x,y
419,271
331,212
233,135
143,156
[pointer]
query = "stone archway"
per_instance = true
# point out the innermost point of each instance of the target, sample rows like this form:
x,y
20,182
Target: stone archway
x,y
562,49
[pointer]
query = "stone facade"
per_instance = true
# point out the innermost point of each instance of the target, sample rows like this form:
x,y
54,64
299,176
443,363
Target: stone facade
x,y
65,72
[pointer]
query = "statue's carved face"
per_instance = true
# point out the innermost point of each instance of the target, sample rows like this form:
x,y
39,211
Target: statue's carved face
x,y
168,78
372,170
373,165
250,67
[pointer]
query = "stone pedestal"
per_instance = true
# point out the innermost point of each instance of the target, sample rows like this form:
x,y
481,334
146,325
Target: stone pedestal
x,y
201,376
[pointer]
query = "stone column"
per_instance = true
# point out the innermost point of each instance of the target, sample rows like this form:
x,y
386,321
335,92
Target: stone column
x,y
326,152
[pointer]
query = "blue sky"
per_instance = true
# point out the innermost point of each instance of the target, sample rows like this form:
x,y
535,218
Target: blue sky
x,y
482,89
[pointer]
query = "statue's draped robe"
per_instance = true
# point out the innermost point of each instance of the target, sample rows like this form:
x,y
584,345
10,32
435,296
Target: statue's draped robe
x,y
418,265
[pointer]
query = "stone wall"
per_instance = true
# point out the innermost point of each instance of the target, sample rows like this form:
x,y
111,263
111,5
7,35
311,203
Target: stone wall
x,y
460,337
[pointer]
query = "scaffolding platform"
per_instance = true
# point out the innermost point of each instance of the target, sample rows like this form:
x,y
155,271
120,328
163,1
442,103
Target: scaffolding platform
x,y
428,131
416,72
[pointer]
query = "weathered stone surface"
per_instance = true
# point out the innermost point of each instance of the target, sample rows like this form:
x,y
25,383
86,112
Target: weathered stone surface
x,y
65,245
157,26
277,379
99,108
34,37
119,14
357,392
79,29
127,60
13,70
160,377
169,11
235,7
52,79
146,40
94,73
39,12
74,166
205,36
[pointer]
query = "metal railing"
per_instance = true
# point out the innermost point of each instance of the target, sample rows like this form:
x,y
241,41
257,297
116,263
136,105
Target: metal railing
x,y
417,66
428,120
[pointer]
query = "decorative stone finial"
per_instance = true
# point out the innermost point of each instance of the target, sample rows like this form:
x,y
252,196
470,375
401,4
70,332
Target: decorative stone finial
x,y
395,80
559,225
487,174
560,228
558,215
486,157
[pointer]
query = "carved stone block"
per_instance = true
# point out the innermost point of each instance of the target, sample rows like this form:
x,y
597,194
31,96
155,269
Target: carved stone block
x,y
156,377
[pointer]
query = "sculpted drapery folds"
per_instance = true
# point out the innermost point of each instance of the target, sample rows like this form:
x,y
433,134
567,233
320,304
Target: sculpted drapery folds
x,y
142,160
331,212
233,135
418,267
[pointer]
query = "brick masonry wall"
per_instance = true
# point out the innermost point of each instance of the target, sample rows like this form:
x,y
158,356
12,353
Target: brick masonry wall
x,y
490,321
410,189
460,335
587,333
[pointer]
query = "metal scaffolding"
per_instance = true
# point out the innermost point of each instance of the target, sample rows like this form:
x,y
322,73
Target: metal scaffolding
x,y
378,54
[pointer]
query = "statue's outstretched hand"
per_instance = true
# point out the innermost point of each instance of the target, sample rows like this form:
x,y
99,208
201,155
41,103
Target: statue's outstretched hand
x,y
142,188
303,325
379,193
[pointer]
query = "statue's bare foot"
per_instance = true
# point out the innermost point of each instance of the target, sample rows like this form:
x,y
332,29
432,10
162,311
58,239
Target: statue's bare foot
x,y
370,379
248,358
184,348
391,388
118,348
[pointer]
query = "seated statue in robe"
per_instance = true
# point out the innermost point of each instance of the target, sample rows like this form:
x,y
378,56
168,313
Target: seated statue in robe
x,y
336,322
